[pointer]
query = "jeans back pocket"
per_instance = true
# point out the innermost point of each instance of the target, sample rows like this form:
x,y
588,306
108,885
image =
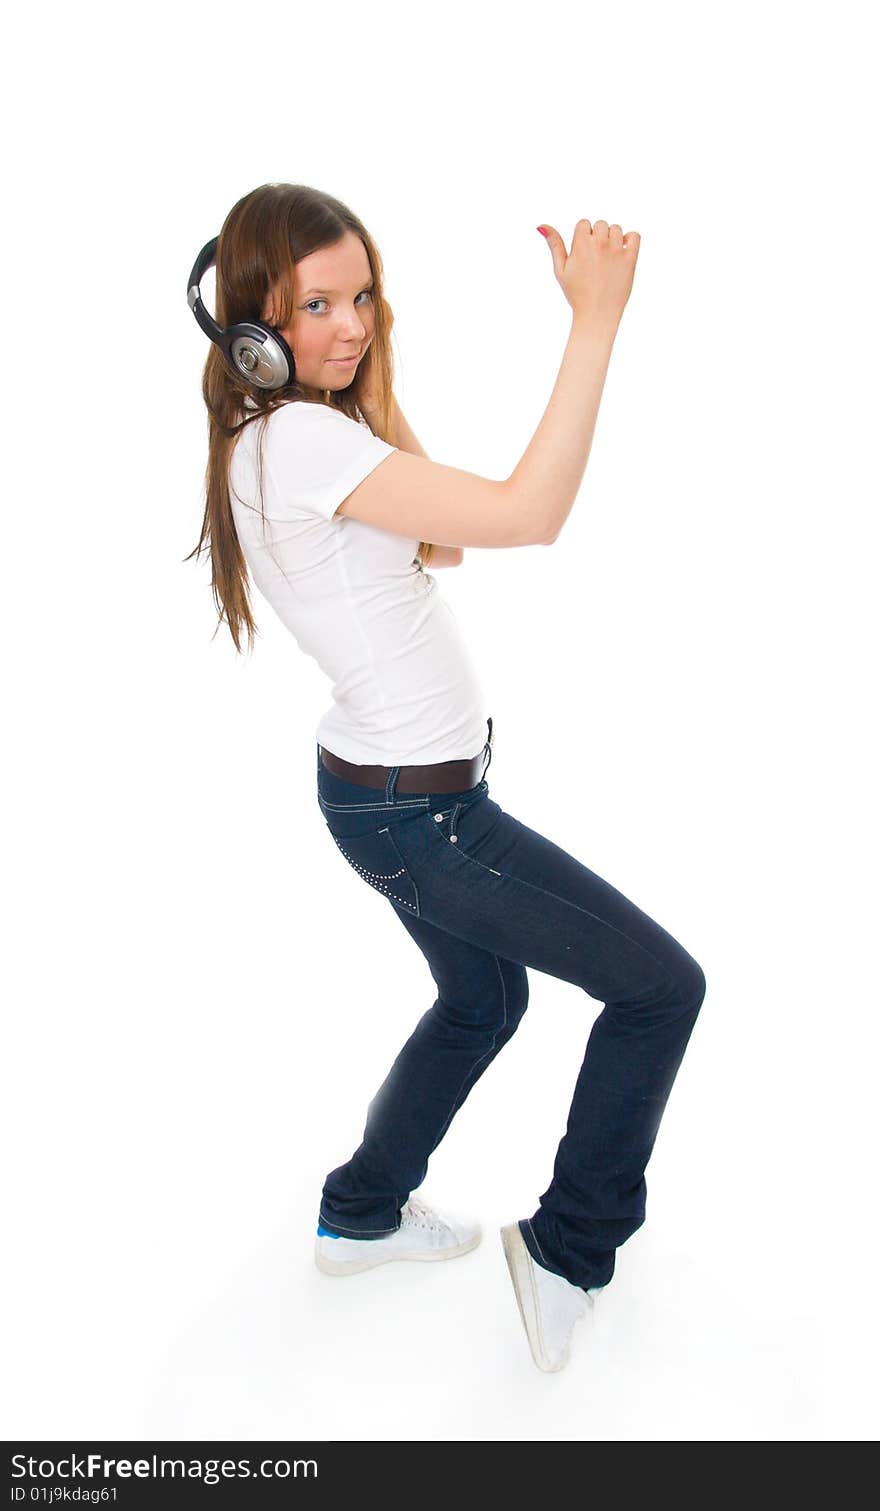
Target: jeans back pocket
x,y
375,858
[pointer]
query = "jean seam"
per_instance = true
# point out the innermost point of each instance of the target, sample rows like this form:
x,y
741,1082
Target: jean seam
x,y
325,1220
406,872
528,1221
372,807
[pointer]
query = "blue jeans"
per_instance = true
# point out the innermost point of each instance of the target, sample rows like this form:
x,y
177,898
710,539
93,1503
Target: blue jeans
x,y
484,897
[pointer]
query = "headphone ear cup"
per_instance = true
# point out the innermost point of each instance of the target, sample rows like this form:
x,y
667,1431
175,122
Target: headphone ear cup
x,y
259,354
253,350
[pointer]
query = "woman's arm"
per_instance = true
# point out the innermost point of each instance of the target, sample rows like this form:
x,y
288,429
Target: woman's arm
x,y
446,556
406,440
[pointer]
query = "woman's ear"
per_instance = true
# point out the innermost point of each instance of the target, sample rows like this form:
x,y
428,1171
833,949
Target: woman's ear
x,y
269,308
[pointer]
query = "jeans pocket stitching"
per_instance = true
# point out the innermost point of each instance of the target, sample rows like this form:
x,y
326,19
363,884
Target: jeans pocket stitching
x,y
455,843
404,867
380,880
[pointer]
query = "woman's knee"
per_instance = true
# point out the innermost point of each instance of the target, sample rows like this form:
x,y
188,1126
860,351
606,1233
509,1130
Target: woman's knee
x,y
676,991
691,984
490,998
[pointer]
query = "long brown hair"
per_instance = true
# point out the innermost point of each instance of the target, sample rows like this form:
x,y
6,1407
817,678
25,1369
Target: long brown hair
x,y
264,235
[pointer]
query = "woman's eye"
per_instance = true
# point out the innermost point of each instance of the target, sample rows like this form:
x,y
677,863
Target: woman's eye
x,y
368,292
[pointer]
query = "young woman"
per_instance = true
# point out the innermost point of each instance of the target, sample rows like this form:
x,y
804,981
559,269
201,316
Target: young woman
x,y
318,488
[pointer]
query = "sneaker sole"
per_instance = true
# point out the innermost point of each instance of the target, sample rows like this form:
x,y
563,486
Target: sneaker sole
x,y
519,1263
355,1266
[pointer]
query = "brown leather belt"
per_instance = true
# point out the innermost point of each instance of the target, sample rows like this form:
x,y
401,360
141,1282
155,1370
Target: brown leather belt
x,y
445,776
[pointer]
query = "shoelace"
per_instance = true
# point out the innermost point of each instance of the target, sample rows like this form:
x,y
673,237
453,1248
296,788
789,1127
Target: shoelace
x,y
419,1215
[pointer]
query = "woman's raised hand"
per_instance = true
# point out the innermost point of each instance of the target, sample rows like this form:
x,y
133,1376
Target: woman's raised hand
x,y
596,276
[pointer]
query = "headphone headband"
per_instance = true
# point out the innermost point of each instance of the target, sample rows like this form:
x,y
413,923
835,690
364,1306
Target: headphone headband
x,y
254,351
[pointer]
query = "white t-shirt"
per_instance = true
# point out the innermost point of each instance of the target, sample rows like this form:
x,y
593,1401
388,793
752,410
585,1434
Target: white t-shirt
x,y
355,597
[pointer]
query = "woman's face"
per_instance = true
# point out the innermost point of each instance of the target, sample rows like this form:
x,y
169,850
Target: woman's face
x,y
333,315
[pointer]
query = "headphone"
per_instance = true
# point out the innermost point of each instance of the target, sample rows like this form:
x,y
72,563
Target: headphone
x,y
254,351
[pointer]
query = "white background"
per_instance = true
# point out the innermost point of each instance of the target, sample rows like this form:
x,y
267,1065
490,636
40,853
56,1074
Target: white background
x,y
201,997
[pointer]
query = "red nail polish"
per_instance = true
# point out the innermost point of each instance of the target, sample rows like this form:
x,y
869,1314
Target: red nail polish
x,y
542,231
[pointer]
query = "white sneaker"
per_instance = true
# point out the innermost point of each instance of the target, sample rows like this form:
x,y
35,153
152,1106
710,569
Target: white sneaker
x,y
548,1303
424,1233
